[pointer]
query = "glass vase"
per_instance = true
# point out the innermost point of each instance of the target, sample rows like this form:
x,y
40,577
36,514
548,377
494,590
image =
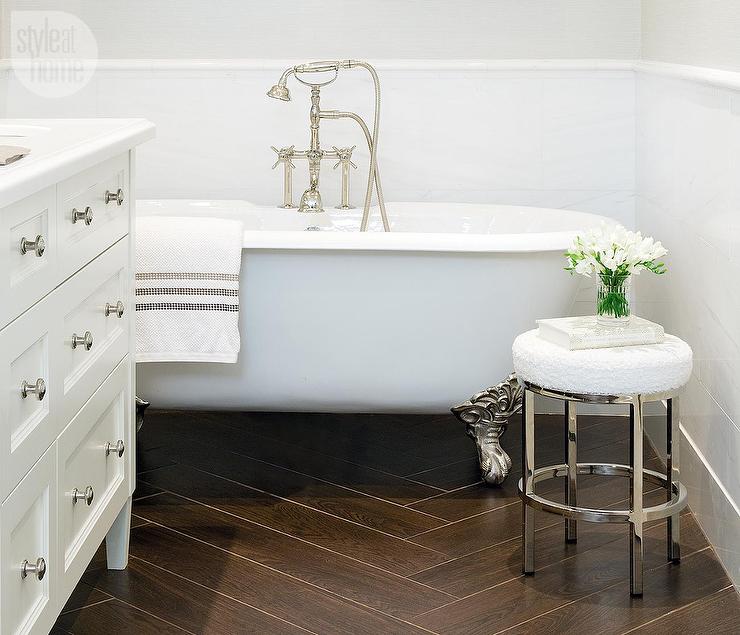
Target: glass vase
x,y
613,300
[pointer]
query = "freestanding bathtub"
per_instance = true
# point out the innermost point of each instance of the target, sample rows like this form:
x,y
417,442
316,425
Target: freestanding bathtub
x,y
416,320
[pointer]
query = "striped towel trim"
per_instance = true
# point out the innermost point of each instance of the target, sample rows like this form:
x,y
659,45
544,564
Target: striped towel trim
x,y
186,291
188,276
186,306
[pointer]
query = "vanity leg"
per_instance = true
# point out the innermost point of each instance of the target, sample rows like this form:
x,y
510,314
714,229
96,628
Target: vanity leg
x,y
116,540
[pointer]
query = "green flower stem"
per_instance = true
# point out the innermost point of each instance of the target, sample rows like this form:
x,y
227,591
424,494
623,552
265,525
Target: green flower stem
x,y
612,295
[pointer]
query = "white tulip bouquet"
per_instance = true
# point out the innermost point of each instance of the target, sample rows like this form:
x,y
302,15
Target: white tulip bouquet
x,y
613,253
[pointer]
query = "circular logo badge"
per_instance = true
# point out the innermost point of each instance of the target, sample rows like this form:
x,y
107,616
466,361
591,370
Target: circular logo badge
x,y
52,53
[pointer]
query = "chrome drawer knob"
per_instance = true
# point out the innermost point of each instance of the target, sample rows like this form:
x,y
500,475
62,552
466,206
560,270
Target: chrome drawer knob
x,y
116,197
38,569
115,448
116,309
86,495
85,340
37,388
38,246
86,215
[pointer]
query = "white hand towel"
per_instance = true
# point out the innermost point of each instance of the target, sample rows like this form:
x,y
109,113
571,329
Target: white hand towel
x,y
187,289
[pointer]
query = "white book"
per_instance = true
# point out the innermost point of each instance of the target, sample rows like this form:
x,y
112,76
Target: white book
x,y
578,333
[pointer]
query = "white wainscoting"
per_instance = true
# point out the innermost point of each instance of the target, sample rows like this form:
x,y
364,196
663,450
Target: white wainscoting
x,y
548,133
688,161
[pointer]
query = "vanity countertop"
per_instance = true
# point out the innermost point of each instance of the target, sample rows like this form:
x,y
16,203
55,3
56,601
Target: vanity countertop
x,y
61,148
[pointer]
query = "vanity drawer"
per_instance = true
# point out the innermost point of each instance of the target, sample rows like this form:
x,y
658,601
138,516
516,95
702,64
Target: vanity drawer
x,y
93,478
95,316
27,277
29,535
29,421
91,213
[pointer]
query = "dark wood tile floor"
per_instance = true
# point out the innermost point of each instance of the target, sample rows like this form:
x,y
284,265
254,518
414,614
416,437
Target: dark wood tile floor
x,y
293,523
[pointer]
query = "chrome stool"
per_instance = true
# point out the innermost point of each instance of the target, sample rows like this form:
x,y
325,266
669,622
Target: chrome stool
x,y
639,374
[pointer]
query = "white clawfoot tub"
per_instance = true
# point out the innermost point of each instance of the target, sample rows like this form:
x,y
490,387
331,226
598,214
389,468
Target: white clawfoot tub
x,y
416,320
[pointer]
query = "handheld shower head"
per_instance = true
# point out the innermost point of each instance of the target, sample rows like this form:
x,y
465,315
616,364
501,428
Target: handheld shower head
x,y
279,91
319,67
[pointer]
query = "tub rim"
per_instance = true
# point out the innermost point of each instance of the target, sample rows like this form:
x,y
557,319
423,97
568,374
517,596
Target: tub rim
x,y
435,242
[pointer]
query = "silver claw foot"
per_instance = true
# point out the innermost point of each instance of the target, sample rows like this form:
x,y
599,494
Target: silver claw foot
x,y
486,415
141,406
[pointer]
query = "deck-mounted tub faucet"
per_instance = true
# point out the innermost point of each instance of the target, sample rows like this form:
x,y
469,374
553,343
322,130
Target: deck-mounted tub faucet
x,y
311,198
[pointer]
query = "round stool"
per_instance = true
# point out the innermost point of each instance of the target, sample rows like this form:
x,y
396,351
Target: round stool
x,y
631,375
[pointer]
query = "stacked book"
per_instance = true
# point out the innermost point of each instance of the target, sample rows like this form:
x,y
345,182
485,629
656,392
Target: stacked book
x,y
579,333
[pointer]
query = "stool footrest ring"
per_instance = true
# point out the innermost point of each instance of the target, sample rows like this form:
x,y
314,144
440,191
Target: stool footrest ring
x,y
677,503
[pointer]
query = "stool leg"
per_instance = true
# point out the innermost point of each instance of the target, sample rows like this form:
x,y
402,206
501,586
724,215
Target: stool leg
x,y
570,459
636,496
527,483
673,528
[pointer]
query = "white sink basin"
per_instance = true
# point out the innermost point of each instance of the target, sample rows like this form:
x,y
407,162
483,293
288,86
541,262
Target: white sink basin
x,y
19,131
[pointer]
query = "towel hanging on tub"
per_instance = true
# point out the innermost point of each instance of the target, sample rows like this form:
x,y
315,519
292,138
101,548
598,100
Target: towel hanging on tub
x,y
187,289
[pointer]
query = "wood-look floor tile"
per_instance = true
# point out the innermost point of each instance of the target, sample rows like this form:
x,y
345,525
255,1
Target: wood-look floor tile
x,y
116,617
451,476
296,524
594,432
227,435
551,587
613,611
345,576
151,457
336,534
144,489
476,499
305,490
261,587
718,614
439,433
498,563
187,605
84,595
478,532
480,497
364,439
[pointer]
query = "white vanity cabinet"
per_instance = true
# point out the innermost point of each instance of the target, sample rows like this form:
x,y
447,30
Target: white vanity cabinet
x,y
67,429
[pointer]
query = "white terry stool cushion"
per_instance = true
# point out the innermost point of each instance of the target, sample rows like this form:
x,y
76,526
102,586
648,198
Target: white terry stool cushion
x,y
625,370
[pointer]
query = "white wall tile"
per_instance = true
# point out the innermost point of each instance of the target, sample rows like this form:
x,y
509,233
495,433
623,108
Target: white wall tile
x,y
578,111
687,158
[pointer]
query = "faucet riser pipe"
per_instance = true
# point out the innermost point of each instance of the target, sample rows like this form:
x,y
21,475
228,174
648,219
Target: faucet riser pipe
x,y
345,187
288,187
